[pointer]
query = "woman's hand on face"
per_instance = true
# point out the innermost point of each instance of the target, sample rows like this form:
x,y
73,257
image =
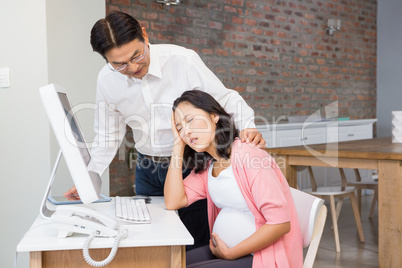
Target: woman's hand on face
x,y
219,248
178,142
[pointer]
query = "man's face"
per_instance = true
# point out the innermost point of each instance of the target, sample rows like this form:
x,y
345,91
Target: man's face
x,y
134,56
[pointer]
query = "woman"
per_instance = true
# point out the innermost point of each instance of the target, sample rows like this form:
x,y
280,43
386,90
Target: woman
x,y
251,214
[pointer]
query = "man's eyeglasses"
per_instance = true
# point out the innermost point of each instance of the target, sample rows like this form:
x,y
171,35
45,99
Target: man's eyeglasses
x,y
124,66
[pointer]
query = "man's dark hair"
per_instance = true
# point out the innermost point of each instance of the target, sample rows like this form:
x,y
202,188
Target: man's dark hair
x,y
115,30
225,133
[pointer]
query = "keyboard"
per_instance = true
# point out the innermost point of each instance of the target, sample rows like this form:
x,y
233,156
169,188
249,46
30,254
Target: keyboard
x,y
130,210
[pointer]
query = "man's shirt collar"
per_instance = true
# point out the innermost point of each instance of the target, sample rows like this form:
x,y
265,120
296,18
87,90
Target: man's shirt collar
x,y
154,66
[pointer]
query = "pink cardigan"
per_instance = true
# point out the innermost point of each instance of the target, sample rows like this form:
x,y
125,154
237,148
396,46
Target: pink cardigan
x,y
267,195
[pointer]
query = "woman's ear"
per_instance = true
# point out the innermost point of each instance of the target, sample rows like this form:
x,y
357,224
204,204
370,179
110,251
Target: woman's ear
x,y
215,118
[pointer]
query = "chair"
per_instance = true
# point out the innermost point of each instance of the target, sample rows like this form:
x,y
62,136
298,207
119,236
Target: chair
x,y
312,214
339,192
360,185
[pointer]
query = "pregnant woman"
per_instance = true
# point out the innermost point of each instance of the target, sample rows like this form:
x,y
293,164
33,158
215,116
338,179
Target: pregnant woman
x,y
251,213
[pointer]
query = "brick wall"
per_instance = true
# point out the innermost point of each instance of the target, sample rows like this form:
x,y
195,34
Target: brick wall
x,y
121,176
276,54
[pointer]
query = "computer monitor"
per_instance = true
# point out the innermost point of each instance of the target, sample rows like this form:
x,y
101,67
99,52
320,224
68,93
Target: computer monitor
x,y
72,145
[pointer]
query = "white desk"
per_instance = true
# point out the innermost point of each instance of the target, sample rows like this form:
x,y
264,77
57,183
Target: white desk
x,y
159,244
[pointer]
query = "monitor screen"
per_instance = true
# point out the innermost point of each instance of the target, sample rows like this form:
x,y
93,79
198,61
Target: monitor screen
x,y
71,141
74,127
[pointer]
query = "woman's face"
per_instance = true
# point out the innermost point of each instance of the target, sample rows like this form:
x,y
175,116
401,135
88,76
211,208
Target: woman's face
x,y
196,127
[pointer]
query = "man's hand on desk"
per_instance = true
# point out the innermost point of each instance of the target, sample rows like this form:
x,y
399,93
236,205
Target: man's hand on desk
x,y
251,135
72,194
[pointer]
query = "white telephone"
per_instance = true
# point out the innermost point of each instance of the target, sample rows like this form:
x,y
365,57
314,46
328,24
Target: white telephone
x,y
71,219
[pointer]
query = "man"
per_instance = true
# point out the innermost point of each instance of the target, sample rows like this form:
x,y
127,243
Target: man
x,y
137,88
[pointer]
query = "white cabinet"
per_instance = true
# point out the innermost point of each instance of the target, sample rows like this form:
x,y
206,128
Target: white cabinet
x,y
293,134
285,138
347,132
314,136
292,137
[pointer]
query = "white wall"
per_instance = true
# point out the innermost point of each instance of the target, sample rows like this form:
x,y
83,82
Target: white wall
x,y
73,65
389,59
25,141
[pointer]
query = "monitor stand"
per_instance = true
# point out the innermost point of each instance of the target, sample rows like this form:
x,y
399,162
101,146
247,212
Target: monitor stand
x,y
45,212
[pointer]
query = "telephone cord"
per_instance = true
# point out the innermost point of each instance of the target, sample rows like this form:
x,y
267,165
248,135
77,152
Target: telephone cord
x,y
93,263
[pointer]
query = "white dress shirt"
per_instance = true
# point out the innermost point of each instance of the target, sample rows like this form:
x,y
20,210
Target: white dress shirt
x,y
146,104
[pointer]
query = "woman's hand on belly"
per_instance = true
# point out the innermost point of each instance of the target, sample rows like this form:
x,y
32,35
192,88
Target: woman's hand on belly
x,y
219,248
265,236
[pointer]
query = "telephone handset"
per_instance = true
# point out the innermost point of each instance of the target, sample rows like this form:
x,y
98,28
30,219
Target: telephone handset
x,y
71,219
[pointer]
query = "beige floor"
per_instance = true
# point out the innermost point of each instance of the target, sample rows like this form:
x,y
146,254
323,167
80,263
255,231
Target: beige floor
x,y
353,253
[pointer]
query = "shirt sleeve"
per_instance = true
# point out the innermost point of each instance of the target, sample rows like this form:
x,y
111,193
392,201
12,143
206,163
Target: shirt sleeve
x,y
110,130
202,78
195,187
269,196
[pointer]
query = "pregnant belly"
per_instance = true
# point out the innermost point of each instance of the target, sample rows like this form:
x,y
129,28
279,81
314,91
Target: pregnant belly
x,y
233,226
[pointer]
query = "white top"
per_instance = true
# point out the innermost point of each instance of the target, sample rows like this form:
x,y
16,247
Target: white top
x,y
146,104
165,229
235,222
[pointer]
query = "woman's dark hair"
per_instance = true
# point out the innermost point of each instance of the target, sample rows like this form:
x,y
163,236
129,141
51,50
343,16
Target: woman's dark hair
x,y
225,134
115,30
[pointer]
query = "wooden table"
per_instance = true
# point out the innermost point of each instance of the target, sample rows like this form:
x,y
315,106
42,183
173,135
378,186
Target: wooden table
x,y
377,153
